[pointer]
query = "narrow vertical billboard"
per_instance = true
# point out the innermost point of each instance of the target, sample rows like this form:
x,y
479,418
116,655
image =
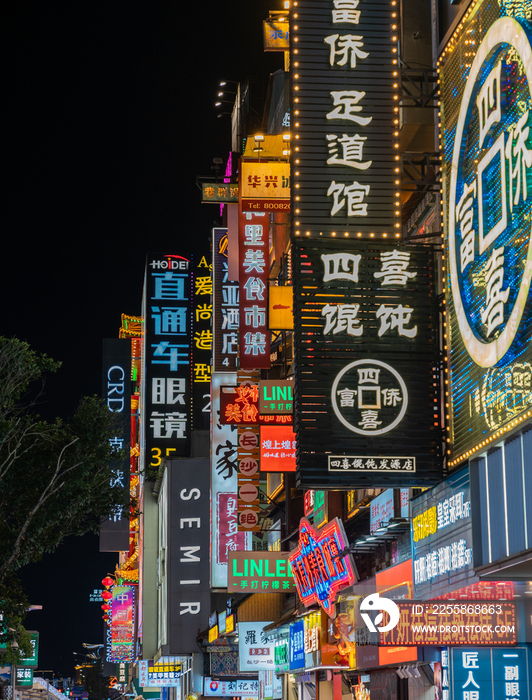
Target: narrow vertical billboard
x,y
167,357
116,392
201,340
225,306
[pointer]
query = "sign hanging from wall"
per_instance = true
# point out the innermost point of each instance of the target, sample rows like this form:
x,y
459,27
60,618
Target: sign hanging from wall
x,y
373,420
260,572
225,307
255,650
343,72
265,185
167,356
202,340
487,146
319,572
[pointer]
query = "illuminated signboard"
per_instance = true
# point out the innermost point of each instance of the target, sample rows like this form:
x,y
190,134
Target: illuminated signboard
x,y
216,192
442,537
448,623
281,308
24,677
275,33
224,522
225,309
491,674
367,378
259,572
249,487
230,689
239,405
318,571
265,186
486,116
276,396
32,660
121,632
201,340
297,645
343,72
167,356
277,448
254,272
255,650
159,675
116,390
382,508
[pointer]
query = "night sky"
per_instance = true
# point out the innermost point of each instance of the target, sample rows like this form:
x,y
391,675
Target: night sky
x,y
109,117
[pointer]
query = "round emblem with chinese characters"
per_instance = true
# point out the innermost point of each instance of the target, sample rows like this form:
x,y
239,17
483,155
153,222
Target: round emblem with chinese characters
x,y
369,397
490,193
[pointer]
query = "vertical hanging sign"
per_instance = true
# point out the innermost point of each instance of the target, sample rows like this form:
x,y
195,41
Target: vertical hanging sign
x,y
202,341
225,307
344,77
254,269
167,357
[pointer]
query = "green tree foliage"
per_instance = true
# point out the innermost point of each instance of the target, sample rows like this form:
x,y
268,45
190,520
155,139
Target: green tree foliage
x,y
54,476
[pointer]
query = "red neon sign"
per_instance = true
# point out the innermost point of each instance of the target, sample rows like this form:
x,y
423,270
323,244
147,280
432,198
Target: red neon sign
x,y
319,572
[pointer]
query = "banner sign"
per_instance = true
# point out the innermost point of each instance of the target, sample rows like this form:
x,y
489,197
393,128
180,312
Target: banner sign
x,y
167,357
448,623
319,572
255,651
254,272
359,420
491,674
442,537
345,118
116,390
224,521
487,175
260,572
225,307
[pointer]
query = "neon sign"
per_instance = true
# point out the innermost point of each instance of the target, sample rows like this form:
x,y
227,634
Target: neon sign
x,y
121,634
319,572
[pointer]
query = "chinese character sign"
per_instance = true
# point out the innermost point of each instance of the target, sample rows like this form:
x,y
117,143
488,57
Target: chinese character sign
x,y
202,340
366,349
254,271
265,185
344,77
277,448
255,651
490,674
487,144
225,307
319,572
167,357
442,537
116,390
121,632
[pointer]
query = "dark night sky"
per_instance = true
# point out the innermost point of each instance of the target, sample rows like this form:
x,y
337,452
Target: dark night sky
x,y
108,118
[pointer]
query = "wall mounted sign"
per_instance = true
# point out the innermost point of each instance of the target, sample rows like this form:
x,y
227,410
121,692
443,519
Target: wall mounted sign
x,y
382,508
260,572
281,308
202,340
255,651
486,118
167,356
277,448
358,419
254,272
214,193
343,72
490,674
319,572
297,645
453,623
276,396
265,185
442,537
225,307
230,689
275,33
121,631
116,390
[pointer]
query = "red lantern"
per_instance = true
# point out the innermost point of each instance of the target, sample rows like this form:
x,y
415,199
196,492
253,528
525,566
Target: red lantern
x,y
106,607
107,581
105,617
106,595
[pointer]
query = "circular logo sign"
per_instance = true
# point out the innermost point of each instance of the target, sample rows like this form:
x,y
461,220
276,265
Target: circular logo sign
x,y
369,397
248,440
248,466
248,518
248,492
490,194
